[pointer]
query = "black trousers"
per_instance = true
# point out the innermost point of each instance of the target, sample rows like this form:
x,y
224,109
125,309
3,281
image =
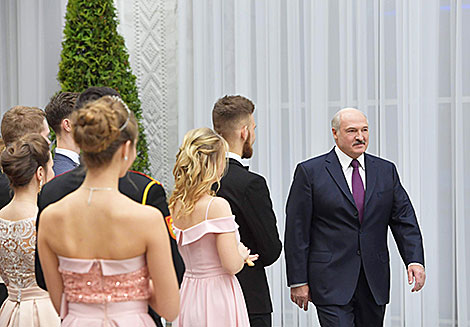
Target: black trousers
x,y
260,320
361,311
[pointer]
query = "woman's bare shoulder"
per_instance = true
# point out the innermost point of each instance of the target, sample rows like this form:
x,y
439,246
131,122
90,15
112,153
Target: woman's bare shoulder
x,y
219,208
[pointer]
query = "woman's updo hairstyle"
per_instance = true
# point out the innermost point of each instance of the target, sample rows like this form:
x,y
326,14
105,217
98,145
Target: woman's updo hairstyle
x,y
197,168
101,127
21,159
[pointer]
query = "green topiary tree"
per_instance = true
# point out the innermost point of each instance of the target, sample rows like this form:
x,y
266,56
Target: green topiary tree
x,y
94,54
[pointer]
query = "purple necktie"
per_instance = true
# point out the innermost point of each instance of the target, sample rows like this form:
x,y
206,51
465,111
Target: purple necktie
x,y
358,189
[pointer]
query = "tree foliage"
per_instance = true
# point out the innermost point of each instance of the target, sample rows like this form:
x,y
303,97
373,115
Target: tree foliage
x,y
94,54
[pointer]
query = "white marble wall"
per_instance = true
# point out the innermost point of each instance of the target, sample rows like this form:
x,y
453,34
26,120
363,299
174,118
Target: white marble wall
x,y
150,30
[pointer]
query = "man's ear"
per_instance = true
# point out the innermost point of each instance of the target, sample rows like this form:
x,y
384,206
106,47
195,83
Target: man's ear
x,y
335,135
244,133
66,125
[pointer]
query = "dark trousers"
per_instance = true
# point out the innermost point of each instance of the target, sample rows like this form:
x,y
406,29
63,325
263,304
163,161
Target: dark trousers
x,y
3,293
361,311
260,320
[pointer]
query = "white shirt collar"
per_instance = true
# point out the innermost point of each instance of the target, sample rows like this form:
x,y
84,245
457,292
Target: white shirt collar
x,y
74,156
243,162
345,160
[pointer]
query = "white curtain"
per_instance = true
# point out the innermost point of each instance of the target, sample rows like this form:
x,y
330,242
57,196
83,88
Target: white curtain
x,y
30,44
403,62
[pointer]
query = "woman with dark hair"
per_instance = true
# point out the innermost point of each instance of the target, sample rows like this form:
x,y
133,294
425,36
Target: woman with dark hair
x,y
28,165
104,256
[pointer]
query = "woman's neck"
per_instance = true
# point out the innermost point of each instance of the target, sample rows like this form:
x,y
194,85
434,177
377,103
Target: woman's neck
x,y
26,194
103,177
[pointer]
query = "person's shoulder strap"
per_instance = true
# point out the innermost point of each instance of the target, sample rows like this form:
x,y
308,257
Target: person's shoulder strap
x,y
146,191
208,205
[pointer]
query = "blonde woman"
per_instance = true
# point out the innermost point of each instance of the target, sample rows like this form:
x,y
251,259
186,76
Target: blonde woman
x,y
99,249
207,236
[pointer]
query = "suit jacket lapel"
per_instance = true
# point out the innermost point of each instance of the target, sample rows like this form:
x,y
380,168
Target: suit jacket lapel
x,y
371,177
334,168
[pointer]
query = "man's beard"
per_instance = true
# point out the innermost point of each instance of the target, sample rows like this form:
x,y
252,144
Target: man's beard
x,y
247,149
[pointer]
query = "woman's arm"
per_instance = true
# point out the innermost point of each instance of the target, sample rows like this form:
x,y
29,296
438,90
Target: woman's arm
x,y
232,253
165,298
49,262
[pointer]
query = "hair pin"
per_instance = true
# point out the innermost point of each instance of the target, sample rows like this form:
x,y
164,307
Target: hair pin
x,y
118,99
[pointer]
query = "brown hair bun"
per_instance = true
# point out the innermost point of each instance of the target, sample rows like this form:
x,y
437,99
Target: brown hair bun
x,y
100,127
21,159
95,128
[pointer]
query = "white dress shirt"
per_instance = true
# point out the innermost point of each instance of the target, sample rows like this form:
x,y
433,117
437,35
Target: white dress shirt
x,y
345,162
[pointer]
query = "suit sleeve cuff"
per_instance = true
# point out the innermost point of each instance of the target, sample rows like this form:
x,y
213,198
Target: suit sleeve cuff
x,y
415,264
298,285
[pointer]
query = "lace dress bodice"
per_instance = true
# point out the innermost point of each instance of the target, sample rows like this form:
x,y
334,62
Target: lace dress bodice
x,y
18,242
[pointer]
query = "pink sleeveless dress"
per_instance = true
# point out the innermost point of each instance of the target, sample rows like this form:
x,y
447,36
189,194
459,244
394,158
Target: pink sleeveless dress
x,y
111,293
210,297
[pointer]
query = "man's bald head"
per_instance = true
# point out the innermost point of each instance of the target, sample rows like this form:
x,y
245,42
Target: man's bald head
x,y
336,121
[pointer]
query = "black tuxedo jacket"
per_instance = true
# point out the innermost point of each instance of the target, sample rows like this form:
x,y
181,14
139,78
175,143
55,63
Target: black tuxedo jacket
x,y
5,197
325,245
6,194
136,186
251,204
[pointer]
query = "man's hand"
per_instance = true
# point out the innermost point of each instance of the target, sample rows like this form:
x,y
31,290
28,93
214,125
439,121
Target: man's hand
x,y
417,273
300,296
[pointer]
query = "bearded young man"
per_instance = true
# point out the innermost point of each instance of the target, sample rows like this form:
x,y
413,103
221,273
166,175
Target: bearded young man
x,y
251,204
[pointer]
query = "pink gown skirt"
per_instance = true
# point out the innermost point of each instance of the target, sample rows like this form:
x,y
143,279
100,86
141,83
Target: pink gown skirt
x,y
212,302
113,314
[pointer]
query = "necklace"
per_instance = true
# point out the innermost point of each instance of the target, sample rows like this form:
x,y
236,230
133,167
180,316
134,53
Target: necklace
x,y
92,189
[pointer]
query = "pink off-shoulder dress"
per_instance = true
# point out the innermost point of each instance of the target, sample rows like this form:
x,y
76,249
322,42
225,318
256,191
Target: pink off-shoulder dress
x,y
101,292
210,297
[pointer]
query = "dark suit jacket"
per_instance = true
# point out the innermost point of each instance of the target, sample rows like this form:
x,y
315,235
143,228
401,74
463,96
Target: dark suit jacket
x,y
132,185
5,197
251,204
62,164
6,193
325,245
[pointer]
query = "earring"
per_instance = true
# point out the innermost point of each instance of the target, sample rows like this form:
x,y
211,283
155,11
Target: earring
x,y
40,185
125,158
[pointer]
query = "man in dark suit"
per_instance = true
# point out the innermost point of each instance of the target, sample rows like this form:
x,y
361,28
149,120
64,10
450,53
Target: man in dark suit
x,y
339,209
58,111
135,185
16,123
249,199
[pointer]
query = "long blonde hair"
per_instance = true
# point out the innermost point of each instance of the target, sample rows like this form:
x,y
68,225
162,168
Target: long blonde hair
x,y
197,168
